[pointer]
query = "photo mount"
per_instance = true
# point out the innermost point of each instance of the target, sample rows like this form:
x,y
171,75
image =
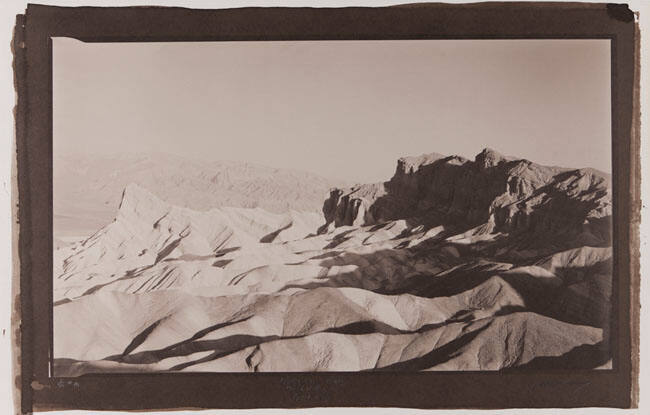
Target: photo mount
x,y
32,47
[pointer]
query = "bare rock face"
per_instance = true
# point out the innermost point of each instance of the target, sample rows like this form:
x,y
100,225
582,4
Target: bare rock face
x,y
492,264
510,195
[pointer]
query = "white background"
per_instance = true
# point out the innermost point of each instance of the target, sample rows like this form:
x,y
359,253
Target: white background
x,y
8,11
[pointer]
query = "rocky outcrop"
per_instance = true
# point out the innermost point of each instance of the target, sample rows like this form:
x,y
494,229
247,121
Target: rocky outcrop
x,y
505,193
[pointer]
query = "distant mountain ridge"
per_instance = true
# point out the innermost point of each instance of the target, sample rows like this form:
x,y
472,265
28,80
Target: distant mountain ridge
x,y
87,189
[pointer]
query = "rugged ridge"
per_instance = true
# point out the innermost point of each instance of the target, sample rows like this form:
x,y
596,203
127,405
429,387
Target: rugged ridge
x,y
504,194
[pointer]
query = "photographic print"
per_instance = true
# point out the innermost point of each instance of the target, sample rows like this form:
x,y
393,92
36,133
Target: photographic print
x,y
418,206
345,206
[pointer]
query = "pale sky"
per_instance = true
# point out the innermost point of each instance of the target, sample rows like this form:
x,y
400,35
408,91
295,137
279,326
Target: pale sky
x,y
341,109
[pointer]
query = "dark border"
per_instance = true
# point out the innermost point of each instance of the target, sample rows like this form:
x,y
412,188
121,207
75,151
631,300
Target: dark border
x,y
33,76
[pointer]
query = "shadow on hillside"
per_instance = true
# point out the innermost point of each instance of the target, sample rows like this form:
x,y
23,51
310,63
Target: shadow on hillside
x,y
435,357
580,357
453,190
182,348
586,356
395,272
230,344
233,343
270,237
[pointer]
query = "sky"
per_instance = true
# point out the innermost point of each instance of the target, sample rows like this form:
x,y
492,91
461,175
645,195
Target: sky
x,y
341,109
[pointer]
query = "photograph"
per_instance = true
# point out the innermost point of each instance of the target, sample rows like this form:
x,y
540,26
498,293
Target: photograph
x,y
358,205
425,206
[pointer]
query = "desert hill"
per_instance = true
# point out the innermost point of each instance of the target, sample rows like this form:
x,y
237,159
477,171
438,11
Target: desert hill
x,y
494,263
88,188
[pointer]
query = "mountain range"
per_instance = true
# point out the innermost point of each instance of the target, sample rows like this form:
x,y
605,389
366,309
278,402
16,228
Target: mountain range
x,y
495,263
88,188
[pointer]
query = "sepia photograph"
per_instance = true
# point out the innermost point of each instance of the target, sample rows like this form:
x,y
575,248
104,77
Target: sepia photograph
x,y
427,206
303,206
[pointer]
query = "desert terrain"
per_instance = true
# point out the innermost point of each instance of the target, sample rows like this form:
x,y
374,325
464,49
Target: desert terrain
x,y
453,264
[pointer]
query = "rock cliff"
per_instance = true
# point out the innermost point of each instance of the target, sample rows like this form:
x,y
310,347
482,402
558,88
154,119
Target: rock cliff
x,y
503,193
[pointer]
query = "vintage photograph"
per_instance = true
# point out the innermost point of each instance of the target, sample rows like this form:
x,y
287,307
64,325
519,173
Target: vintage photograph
x,y
341,206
